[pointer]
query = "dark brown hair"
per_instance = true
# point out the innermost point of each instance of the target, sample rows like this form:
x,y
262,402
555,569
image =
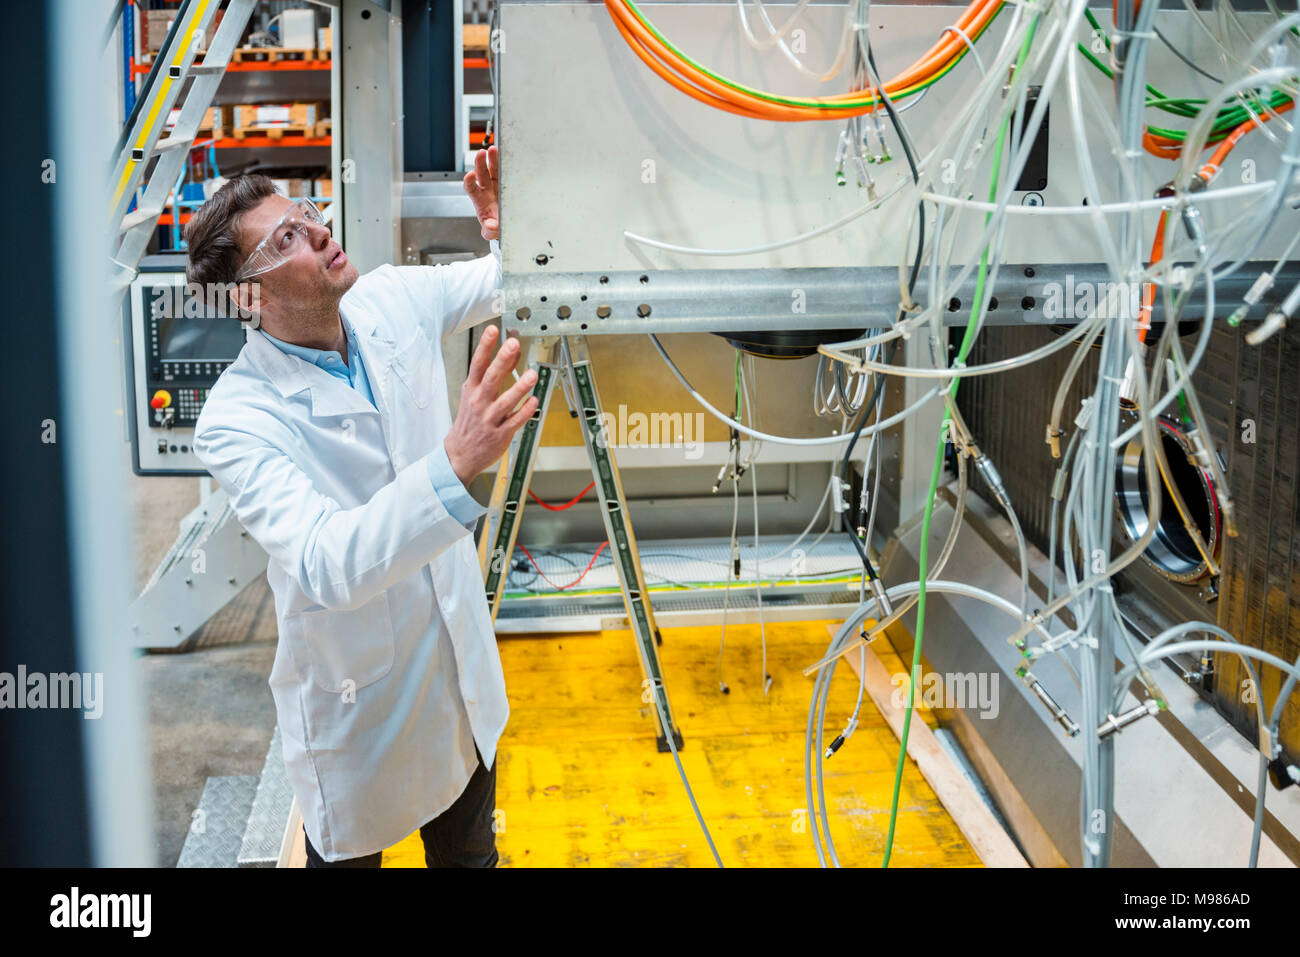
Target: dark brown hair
x,y
213,232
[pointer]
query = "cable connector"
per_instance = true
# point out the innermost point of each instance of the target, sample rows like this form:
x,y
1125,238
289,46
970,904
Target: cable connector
x,y
1261,285
882,599
1153,690
874,144
1058,484
1055,643
842,738
1128,388
1032,622
1054,440
1201,455
722,473
1056,711
1084,418
987,469
1273,323
863,174
841,154
1114,724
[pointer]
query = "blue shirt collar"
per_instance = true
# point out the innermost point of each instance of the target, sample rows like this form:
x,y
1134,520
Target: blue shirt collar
x,y
327,359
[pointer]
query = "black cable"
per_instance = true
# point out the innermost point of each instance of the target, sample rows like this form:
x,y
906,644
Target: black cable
x,y
861,418
1179,53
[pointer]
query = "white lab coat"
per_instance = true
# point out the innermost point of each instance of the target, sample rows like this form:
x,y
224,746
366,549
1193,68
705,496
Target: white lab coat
x,y
386,674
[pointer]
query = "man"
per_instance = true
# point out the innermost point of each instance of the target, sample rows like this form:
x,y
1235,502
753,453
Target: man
x,y
332,435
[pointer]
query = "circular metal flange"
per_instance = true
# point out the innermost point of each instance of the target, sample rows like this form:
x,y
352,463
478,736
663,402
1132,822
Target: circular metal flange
x,y
1172,552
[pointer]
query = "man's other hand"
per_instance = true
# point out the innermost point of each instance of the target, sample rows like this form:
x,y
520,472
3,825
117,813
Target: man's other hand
x,y
488,418
481,187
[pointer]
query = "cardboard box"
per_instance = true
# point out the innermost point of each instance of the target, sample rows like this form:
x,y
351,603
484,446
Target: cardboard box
x,y
298,29
214,120
269,116
155,24
323,187
305,114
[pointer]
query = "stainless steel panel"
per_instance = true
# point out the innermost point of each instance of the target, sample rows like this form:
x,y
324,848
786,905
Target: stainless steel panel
x,y
595,144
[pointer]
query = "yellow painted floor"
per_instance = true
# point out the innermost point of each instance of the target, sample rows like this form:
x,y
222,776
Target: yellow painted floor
x,y
581,783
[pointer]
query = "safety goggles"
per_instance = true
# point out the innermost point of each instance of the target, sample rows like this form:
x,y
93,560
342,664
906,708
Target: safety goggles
x,y
289,237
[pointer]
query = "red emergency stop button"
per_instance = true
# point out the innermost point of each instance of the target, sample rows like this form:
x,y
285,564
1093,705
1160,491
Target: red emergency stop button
x,y
161,399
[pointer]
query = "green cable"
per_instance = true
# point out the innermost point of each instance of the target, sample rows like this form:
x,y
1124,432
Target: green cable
x,y
968,340
737,385
694,586
1228,117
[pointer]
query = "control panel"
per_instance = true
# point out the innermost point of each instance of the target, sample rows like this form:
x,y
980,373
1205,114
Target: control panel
x,y
180,344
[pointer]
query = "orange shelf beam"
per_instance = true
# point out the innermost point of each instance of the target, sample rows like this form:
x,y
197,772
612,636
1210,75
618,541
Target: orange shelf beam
x,y
252,66
278,66
251,142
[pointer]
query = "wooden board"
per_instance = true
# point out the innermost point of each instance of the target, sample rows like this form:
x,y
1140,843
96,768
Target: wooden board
x,y
972,815
581,784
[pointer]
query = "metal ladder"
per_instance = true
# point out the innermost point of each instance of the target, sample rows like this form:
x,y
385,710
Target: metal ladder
x,y
142,140
568,360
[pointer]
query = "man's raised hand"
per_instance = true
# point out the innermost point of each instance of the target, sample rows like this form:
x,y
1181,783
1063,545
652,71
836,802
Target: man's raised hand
x,y
488,418
481,187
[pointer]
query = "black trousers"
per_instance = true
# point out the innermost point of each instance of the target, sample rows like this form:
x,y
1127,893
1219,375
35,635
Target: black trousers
x,y
461,836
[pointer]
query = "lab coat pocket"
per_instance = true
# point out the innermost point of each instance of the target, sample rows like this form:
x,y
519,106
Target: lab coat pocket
x,y
415,366
347,649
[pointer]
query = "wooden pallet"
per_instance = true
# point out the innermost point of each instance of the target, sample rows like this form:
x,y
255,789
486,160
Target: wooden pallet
x,y
276,54
318,129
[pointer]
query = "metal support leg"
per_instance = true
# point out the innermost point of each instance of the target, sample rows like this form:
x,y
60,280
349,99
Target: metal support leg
x,y
568,359
506,507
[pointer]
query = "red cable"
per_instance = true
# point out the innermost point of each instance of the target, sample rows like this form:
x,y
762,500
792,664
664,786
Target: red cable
x,y
576,580
570,503
1149,291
